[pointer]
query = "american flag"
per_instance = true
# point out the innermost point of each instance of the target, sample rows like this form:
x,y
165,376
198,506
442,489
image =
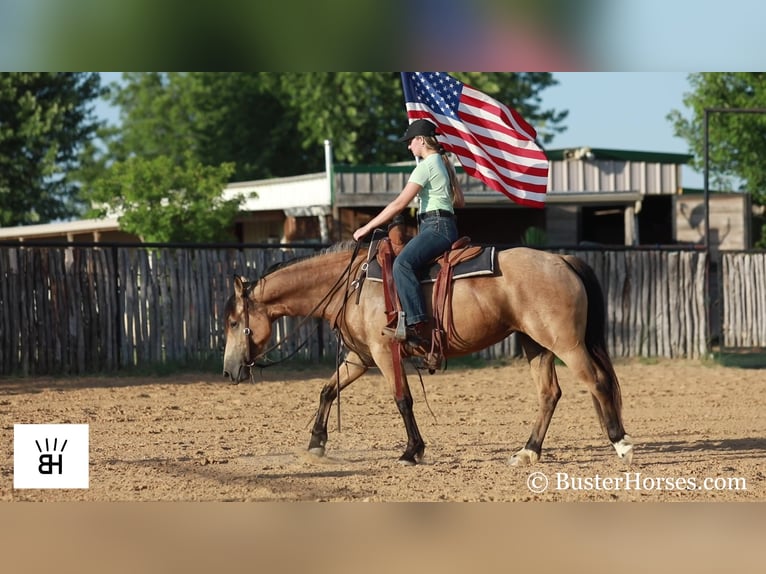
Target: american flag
x,y
493,143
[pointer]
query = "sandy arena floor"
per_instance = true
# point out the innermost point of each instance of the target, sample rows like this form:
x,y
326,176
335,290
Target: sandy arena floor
x,y
699,429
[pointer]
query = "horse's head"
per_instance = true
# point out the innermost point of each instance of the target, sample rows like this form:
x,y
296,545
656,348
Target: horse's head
x,y
247,330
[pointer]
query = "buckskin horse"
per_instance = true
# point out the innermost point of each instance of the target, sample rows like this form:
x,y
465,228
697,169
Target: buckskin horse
x,y
553,302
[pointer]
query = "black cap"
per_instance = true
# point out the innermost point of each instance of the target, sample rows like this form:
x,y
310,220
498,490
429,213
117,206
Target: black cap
x,y
419,128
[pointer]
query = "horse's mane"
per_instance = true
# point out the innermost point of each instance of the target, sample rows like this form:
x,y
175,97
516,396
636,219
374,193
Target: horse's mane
x,y
339,247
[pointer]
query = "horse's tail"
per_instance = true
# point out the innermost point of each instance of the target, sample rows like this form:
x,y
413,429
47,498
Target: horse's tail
x,y
595,330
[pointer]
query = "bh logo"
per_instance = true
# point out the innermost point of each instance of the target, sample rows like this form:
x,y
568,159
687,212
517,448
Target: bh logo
x,y
46,460
50,456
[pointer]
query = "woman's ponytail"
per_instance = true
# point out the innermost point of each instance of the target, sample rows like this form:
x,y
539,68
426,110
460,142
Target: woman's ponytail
x,y
456,193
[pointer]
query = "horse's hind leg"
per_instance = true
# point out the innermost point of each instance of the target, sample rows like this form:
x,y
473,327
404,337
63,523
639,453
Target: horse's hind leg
x,y
350,370
541,363
602,383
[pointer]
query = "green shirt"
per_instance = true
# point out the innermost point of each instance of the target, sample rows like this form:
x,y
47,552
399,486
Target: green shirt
x,y
432,176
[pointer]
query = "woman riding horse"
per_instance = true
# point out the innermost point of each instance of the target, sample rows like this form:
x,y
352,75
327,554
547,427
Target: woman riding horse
x,y
553,302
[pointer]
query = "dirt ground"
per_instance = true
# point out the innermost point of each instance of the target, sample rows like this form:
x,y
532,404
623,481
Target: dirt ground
x,y
699,429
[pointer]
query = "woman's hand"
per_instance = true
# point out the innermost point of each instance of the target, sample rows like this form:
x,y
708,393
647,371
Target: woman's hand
x,y
392,209
360,233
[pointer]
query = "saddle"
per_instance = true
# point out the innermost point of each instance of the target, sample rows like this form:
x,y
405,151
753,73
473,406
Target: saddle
x,y
443,328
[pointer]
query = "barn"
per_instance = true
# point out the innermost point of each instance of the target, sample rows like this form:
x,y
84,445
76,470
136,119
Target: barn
x,y
600,202
595,197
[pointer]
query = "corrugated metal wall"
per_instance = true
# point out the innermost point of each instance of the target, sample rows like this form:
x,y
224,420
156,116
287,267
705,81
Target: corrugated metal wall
x,y
649,178
613,175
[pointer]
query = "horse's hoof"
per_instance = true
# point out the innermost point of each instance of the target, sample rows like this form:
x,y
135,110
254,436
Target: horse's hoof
x,y
411,459
317,451
524,457
624,448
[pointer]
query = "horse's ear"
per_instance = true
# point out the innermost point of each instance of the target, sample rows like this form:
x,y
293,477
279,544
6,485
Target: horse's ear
x,y
240,285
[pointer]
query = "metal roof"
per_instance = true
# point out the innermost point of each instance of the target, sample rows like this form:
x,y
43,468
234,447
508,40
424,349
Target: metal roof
x,y
59,229
593,153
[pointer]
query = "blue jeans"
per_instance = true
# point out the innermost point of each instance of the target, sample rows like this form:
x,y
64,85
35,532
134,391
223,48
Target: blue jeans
x,y
434,237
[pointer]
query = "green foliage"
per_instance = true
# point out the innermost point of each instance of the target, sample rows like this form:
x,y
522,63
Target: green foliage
x,y
741,360
264,124
275,124
162,200
534,237
45,120
217,117
737,141
157,115
363,113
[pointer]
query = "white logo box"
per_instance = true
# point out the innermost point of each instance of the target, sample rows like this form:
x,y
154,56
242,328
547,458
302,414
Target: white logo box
x,y
50,456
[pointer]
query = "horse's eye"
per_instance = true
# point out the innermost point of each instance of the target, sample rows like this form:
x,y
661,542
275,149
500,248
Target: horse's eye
x,y
232,324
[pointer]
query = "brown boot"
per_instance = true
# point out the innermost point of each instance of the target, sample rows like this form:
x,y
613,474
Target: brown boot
x,y
418,343
418,337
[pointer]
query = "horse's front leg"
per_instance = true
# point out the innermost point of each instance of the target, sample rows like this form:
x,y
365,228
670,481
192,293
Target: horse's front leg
x,y
390,364
413,454
542,367
351,369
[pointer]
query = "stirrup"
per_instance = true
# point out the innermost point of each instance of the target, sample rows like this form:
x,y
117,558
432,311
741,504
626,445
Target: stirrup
x,y
400,332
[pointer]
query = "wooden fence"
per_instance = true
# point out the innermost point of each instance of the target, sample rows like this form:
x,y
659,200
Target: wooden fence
x,y
744,299
656,301
77,310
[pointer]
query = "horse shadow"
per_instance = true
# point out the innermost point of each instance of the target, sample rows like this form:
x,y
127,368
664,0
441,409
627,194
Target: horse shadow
x,y
748,447
660,452
36,385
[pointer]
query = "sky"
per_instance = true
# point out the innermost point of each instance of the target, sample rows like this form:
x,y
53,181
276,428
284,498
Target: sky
x,y
612,110
622,110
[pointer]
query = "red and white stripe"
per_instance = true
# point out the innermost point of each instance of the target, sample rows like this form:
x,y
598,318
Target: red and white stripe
x,y
494,144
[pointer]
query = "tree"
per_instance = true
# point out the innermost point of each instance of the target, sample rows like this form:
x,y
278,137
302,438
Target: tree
x,y
363,113
737,141
46,119
218,117
261,125
163,200
274,124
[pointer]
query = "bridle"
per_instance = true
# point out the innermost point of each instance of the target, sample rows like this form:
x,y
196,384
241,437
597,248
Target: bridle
x,y
350,286
251,361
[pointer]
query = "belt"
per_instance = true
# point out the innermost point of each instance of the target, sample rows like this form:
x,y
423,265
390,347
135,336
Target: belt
x,y
435,213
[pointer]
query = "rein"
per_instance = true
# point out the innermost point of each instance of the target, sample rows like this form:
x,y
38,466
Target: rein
x,y
345,275
253,362
246,331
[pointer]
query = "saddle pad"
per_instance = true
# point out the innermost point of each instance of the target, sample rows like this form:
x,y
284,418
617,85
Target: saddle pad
x,y
482,264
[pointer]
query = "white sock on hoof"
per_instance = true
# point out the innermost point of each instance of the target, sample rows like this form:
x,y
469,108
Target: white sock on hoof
x,y
524,457
624,446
